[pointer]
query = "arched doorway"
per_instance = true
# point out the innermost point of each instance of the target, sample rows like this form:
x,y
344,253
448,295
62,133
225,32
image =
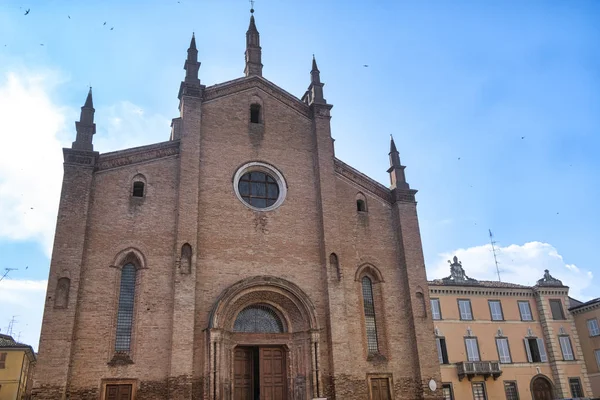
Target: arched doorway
x,y
541,388
263,343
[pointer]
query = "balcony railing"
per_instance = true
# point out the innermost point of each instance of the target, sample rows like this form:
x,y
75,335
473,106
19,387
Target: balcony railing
x,y
469,369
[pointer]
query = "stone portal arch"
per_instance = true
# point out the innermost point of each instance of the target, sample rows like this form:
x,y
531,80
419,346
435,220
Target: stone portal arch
x,y
297,338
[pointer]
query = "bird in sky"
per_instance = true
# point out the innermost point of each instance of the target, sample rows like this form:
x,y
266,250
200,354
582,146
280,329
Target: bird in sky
x,y
112,28
69,16
366,65
522,137
104,23
41,44
27,12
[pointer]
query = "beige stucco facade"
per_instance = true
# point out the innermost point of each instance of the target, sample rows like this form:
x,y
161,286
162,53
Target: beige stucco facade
x,y
509,329
16,363
587,318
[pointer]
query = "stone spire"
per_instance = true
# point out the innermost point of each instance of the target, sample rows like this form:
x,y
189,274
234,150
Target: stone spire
x,y
253,50
314,93
396,170
191,85
85,127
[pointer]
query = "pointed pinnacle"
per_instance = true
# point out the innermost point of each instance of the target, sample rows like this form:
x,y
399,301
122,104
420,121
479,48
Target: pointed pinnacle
x,y
392,145
252,27
89,103
314,64
193,42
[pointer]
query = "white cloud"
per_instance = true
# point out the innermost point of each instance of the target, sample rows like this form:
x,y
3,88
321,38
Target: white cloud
x,y
124,125
23,300
30,156
523,264
33,131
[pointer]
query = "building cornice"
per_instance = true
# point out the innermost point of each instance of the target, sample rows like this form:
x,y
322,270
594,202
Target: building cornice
x,y
137,155
585,307
481,291
252,82
363,180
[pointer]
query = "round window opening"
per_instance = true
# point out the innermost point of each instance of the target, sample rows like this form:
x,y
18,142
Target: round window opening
x,y
259,186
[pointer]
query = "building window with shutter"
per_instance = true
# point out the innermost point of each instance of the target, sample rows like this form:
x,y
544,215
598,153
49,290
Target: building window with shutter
x,y
576,389
2,360
447,392
436,311
503,350
510,389
525,311
472,349
442,351
464,307
479,391
125,310
496,310
369,310
593,328
565,346
557,309
535,350
597,354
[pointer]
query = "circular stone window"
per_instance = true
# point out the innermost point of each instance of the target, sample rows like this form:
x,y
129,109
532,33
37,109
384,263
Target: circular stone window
x,y
259,186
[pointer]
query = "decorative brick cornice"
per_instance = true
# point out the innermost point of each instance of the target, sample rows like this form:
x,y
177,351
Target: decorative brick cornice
x,y
362,180
476,291
137,155
255,81
557,291
80,157
583,308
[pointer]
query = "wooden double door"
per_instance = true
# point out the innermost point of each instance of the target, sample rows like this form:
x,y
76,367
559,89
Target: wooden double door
x,y
118,392
259,373
541,389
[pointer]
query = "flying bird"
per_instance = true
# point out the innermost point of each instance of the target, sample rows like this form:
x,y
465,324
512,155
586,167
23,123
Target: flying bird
x,y
41,44
27,12
112,28
366,65
104,23
69,16
522,137
459,158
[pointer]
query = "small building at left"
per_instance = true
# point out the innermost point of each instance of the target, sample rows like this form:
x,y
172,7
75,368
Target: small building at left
x,y
16,365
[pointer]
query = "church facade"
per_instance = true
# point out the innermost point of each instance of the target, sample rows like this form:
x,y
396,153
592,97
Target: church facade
x,y
240,259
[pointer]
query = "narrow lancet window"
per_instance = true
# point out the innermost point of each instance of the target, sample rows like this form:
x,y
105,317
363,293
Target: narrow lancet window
x,y
186,259
138,189
334,263
255,113
369,308
61,297
125,311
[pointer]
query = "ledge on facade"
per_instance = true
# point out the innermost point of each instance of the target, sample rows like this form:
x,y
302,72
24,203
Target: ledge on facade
x,y
137,154
120,358
469,369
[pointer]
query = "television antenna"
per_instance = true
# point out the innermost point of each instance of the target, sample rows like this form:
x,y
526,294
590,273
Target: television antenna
x,y
7,271
495,255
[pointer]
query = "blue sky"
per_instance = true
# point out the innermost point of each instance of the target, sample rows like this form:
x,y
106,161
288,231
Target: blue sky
x,y
494,107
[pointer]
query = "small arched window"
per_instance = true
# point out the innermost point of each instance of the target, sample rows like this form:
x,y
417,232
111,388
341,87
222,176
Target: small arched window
x,y
361,203
125,311
186,259
138,189
369,309
255,113
258,318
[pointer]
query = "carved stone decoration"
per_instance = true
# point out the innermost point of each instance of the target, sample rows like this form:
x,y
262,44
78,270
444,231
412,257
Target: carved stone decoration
x,y
185,265
61,296
469,331
549,280
457,274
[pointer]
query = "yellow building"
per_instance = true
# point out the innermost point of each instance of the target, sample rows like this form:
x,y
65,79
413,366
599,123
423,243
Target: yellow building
x,y
587,322
16,361
503,341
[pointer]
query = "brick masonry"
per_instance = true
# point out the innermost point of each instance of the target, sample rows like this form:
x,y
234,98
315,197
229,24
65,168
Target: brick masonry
x,y
181,347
